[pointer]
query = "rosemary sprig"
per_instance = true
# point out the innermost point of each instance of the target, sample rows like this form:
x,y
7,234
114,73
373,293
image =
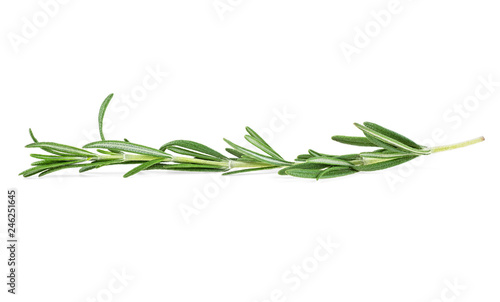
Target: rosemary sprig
x,y
392,149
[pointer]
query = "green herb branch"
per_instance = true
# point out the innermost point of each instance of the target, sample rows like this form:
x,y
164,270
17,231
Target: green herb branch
x,y
392,149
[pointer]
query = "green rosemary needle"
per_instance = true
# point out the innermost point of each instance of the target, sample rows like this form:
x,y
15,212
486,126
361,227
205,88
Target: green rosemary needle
x,y
391,149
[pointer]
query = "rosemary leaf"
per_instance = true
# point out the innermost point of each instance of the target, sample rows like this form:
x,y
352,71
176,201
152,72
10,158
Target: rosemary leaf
x,y
102,111
353,140
128,147
141,167
179,146
328,161
68,150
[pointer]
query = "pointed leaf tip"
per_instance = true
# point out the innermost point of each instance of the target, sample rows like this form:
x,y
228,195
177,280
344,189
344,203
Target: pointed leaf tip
x,y
102,111
33,136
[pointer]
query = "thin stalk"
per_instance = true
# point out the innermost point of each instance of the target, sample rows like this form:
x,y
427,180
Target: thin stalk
x,y
228,164
110,157
457,145
369,161
184,160
139,157
129,157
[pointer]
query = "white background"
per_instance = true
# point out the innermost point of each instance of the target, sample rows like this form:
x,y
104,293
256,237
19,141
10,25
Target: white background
x,y
277,66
